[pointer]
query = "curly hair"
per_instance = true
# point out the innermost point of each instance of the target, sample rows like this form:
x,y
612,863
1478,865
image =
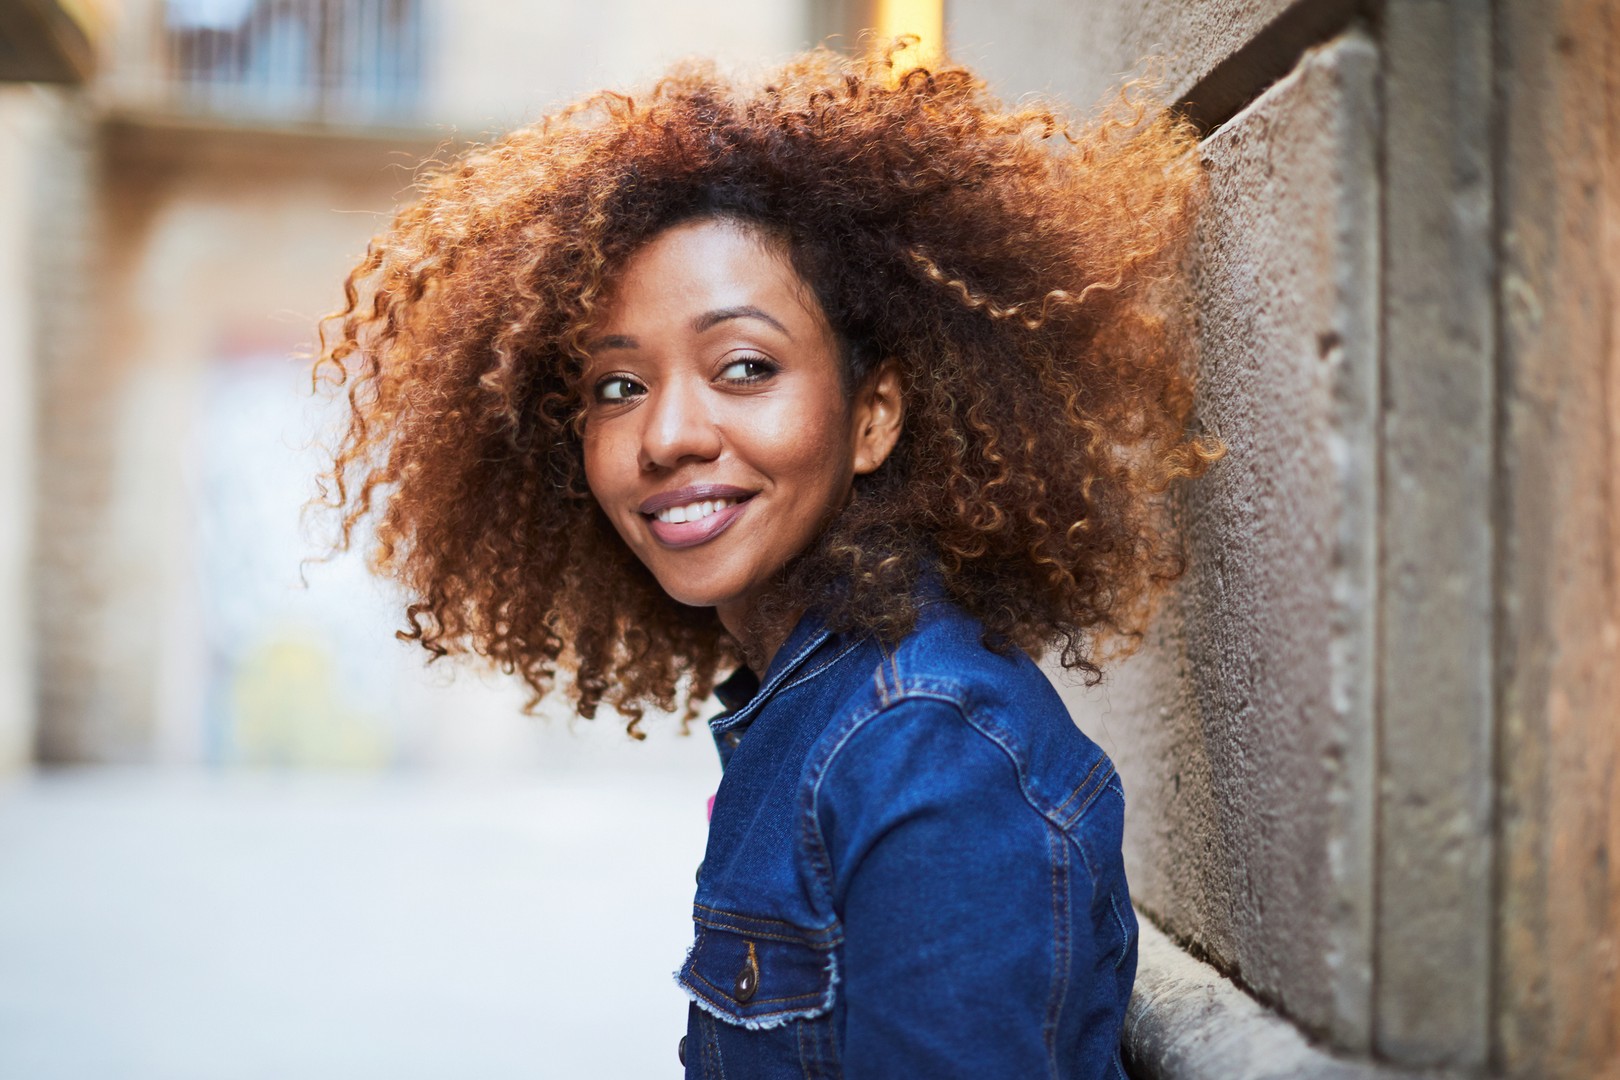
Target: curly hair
x,y
1025,273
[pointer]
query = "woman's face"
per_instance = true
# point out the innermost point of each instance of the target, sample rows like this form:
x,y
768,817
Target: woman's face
x,y
718,436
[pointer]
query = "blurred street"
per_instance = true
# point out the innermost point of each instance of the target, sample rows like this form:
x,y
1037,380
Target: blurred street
x,y
235,926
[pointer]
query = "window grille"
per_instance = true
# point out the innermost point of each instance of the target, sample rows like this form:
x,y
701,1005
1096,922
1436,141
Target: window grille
x,y
341,62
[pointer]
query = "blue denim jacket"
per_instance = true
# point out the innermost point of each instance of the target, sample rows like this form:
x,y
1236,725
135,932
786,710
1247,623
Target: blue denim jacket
x,y
913,870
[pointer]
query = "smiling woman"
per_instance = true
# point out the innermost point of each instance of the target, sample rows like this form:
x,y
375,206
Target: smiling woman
x,y
862,390
719,439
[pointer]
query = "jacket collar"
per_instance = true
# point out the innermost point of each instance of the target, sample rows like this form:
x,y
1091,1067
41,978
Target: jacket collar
x,y
744,694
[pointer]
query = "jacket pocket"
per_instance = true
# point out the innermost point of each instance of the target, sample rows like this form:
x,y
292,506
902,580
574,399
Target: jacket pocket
x,y
759,973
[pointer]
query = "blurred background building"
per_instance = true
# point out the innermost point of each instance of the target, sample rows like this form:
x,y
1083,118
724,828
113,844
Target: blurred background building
x,y
1368,751
191,212
248,834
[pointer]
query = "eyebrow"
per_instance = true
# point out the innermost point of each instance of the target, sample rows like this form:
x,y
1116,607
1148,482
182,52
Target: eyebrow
x,y
704,322
710,319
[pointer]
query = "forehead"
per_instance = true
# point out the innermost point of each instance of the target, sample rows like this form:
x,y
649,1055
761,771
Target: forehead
x,y
706,265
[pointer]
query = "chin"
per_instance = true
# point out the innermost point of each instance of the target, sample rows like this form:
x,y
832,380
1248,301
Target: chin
x,y
695,595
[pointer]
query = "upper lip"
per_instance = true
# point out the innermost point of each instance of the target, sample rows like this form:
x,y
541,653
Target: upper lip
x,y
691,494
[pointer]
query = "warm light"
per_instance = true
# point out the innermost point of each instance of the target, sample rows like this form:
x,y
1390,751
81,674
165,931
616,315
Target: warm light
x,y
923,18
91,15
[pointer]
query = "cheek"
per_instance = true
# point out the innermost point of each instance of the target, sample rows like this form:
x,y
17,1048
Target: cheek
x,y
806,446
605,472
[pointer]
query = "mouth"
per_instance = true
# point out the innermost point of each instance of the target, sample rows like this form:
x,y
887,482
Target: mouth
x,y
693,515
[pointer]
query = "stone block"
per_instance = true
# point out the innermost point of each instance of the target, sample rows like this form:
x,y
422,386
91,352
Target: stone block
x,y
1243,731
1433,954
1221,55
1189,1022
1558,607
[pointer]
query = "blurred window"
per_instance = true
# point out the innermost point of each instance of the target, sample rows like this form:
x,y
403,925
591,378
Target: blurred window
x,y
328,61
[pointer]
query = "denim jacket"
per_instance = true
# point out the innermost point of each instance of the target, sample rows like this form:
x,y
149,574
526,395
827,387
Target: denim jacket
x,y
913,870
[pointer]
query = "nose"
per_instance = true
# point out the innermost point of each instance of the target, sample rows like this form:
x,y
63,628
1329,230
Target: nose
x,y
677,427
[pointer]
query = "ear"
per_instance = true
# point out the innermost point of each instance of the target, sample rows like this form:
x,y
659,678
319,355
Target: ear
x,y
879,413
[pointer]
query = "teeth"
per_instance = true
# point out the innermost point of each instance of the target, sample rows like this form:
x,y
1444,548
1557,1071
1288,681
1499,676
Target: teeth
x,y
678,515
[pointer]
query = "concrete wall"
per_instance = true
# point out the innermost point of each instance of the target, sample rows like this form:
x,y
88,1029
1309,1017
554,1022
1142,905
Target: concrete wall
x,y
1368,749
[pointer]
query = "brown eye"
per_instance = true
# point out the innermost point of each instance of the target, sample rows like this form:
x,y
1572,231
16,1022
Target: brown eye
x,y
748,369
618,388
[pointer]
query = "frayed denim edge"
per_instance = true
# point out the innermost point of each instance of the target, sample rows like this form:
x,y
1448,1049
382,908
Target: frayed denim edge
x,y
761,1023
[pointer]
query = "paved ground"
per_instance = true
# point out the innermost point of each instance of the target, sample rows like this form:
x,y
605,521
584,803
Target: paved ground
x,y
190,926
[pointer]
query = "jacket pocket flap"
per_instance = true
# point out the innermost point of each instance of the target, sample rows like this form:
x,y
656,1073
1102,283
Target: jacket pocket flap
x,y
759,974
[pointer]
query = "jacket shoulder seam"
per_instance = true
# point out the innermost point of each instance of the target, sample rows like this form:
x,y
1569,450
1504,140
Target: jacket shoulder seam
x,y
821,858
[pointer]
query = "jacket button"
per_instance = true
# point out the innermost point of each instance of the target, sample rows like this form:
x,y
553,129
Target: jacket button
x,y
699,874
680,1050
733,738
747,982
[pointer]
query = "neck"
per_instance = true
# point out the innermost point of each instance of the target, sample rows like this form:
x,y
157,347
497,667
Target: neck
x,y
759,637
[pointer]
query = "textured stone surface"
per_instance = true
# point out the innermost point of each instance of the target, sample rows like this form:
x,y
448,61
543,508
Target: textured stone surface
x,y
1188,1021
1078,51
1558,997
1435,666
1466,651
1244,730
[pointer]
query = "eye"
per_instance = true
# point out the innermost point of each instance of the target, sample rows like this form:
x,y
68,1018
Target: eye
x,y
748,369
618,388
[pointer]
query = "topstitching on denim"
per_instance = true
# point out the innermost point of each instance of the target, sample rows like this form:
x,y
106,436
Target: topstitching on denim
x,y
828,688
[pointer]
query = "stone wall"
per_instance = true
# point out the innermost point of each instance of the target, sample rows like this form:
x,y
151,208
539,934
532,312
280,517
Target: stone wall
x,y
1246,732
1368,748
25,116
1558,527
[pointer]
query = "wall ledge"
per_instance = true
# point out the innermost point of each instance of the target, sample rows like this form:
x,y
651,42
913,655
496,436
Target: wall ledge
x,y
1187,1021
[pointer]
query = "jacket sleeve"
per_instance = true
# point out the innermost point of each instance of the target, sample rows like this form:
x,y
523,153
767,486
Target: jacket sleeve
x,y
957,898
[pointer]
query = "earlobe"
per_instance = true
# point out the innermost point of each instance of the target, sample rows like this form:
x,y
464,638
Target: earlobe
x,y
880,413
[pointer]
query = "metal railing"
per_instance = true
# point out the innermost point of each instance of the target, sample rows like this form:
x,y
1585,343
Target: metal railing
x,y
337,62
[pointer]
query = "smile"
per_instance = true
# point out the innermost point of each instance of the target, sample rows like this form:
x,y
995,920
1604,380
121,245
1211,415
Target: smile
x,y
693,515
679,515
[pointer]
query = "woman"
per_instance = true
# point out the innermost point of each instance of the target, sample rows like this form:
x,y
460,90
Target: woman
x,y
862,387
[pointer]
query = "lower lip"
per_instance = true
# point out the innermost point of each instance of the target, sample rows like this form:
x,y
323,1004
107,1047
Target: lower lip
x,y
685,534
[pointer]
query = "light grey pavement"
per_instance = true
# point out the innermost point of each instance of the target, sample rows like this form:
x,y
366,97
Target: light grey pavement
x,y
239,926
